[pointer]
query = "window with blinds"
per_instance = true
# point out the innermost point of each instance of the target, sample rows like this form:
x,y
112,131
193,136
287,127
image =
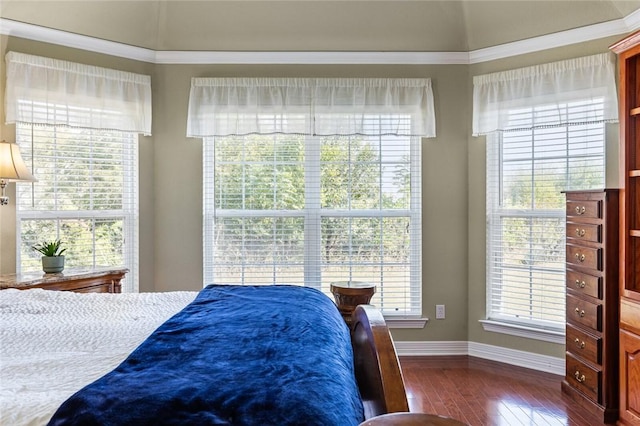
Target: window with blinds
x,y
303,210
86,195
528,167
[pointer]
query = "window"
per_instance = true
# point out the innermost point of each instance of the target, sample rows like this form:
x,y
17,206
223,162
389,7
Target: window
x,y
545,128
311,181
526,171
77,126
86,195
293,209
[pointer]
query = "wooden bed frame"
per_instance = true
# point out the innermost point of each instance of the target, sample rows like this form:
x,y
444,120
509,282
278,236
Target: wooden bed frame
x,y
377,370
376,364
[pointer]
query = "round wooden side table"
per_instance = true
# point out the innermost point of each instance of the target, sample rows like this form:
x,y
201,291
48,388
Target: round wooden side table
x,y
349,294
411,419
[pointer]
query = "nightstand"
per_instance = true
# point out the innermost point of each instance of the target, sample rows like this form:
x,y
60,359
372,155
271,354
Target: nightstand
x,y
349,294
78,280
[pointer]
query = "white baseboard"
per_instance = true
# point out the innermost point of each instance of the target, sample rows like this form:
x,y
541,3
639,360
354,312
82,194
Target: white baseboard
x,y
431,348
524,359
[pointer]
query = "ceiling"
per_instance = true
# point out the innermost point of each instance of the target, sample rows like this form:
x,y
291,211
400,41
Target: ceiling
x,y
316,25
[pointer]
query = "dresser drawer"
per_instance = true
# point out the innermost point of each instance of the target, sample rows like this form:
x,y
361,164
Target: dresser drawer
x,y
584,209
585,257
584,312
584,232
584,283
584,377
584,345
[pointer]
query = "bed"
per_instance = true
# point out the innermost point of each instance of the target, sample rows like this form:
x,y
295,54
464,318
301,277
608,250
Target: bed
x,y
58,345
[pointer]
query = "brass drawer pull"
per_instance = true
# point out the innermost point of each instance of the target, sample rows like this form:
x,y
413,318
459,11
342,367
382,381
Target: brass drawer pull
x,y
580,232
580,284
579,377
579,344
580,312
580,257
580,210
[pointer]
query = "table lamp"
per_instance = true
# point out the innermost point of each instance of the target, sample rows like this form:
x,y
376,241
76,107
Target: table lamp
x,y
12,168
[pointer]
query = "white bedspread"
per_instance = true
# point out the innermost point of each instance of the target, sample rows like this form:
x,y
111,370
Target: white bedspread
x,y
52,343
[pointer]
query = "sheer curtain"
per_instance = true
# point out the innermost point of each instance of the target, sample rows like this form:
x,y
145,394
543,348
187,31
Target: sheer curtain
x,y
243,106
61,93
496,95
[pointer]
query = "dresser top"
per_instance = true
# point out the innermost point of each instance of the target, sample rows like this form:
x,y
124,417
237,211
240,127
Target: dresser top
x,y
33,278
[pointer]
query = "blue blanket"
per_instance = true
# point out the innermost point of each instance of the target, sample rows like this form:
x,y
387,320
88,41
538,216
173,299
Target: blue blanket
x,y
264,355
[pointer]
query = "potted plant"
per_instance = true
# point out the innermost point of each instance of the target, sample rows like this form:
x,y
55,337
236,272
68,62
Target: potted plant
x,y
52,256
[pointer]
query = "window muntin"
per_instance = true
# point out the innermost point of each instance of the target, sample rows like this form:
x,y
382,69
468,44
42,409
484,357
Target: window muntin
x,y
294,209
528,167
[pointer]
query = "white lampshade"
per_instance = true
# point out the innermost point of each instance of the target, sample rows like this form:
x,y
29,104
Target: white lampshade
x,y
12,167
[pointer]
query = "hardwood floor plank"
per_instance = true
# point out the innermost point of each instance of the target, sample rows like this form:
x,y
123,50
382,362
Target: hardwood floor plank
x,y
487,393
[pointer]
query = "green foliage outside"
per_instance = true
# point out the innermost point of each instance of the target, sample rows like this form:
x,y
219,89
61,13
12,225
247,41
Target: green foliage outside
x,y
80,189
265,176
533,244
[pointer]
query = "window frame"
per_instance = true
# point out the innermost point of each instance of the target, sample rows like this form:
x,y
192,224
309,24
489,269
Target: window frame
x,y
313,214
129,214
497,321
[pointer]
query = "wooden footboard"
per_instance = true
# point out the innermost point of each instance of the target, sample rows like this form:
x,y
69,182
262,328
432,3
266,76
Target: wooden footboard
x,y
377,368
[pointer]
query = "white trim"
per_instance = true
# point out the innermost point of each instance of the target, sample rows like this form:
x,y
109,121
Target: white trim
x,y
549,41
578,35
76,41
632,20
311,58
439,348
548,364
551,336
406,322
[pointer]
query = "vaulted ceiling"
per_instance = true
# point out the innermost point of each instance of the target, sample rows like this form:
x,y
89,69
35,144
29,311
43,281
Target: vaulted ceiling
x,y
317,25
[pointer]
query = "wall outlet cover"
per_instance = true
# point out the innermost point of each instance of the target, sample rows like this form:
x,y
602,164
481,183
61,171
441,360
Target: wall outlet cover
x,y
439,311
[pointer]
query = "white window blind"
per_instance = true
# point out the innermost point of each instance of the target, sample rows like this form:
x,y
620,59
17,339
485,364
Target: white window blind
x,y
86,195
307,210
527,168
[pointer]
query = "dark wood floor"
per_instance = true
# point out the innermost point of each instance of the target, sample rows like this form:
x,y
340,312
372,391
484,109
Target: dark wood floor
x,y
481,392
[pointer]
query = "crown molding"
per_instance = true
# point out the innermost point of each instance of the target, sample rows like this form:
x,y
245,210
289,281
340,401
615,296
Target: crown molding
x,y
312,58
76,41
550,41
578,35
632,20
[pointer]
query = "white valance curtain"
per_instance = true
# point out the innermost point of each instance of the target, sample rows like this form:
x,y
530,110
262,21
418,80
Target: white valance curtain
x,y
553,85
322,106
58,92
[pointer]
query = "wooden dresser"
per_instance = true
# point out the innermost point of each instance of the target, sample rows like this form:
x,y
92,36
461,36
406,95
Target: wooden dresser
x,y
78,280
592,302
628,51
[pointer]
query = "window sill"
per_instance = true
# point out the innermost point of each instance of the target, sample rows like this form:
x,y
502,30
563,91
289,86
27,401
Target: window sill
x,y
416,322
551,336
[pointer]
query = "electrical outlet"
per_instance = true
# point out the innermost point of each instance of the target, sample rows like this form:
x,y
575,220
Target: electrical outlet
x,y
439,311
